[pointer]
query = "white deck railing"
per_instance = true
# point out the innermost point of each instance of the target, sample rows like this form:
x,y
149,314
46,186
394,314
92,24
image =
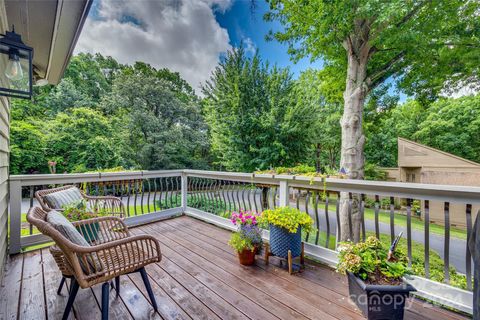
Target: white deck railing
x,y
154,195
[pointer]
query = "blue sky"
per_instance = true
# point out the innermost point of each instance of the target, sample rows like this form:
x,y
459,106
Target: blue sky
x,y
243,22
186,36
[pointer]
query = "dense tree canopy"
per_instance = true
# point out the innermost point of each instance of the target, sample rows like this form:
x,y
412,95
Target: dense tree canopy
x,y
428,47
104,114
254,120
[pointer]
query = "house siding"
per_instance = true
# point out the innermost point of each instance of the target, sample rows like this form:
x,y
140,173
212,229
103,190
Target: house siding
x,y
4,163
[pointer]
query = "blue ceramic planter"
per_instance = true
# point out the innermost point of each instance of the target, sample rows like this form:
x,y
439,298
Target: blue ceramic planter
x,y
281,241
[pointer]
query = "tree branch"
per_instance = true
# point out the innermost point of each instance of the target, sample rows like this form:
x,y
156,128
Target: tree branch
x,y
412,13
379,76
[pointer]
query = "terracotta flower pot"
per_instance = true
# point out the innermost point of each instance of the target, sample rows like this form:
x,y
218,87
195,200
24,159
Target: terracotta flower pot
x,y
246,257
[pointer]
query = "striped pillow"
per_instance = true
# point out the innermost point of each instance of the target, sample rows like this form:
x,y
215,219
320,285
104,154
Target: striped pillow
x,y
68,230
59,199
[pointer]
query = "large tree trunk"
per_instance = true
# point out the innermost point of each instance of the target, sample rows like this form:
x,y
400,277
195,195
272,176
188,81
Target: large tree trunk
x,y
352,156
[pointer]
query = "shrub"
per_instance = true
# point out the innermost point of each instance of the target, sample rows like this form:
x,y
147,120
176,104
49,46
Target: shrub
x,y
369,261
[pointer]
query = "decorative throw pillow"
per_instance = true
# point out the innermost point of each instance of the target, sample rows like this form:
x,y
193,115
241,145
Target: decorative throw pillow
x,y
68,230
59,199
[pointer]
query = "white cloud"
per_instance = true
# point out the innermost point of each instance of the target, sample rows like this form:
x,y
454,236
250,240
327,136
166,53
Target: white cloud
x,y
181,35
249,45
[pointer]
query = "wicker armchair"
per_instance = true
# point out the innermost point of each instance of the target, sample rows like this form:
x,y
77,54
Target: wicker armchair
x,y
111,206
115,252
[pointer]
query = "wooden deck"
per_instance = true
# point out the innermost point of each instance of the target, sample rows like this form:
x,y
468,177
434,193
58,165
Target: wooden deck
x,y
198,278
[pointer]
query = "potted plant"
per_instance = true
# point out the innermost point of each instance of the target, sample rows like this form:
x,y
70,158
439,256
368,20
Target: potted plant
x,y
375,277
247,241
77,211
286,225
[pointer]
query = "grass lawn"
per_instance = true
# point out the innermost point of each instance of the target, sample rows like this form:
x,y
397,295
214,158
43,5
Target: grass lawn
x,y
417,223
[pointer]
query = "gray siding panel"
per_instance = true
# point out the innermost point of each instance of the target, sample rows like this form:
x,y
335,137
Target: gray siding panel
x,y
4,163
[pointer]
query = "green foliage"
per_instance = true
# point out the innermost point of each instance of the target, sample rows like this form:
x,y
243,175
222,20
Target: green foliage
x,y
373,172
77,211
314,90
103,114
239,242
83,137
288,218
426,46
451,125
254,122
27,148
163,129
418,262
200,201
369,260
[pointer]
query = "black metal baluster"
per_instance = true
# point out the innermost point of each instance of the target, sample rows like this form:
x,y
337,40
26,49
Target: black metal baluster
x,y
362,215
255,197
392,219
214,194
203,197
128,198
307,199
446,253
427,238
31,205
161,203
409,231
350,208
170,188
148,196
468,256
317,217
135,182
327,219
243,196
224,188
275,195
177,194
228,184
238,196
377,208
337,213
297,200
155,194
142,189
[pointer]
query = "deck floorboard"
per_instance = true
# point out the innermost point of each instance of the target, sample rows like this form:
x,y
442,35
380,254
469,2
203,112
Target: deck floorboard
x,y
199,277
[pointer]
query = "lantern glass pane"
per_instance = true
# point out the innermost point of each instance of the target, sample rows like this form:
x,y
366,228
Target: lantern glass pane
x,y
18,69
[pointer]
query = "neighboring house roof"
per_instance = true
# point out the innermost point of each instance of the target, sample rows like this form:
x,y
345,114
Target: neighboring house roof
x,y
414,154
51,27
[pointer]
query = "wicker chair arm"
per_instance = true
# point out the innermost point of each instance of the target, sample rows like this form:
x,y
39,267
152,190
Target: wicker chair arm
x,y
114,258
107,224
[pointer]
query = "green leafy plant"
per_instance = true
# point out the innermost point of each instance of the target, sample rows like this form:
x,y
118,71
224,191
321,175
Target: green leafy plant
x,y
287,218
239,242
369,261
77,211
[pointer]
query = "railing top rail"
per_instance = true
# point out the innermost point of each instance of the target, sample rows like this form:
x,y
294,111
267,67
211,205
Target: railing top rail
x,y
40,179
450,193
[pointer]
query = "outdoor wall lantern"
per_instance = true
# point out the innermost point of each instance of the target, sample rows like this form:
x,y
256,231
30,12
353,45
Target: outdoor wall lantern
x,y
15,66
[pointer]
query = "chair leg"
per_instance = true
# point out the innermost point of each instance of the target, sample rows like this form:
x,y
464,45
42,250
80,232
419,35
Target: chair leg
x,y
149,288
62,282
71,298
105,300
117,285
